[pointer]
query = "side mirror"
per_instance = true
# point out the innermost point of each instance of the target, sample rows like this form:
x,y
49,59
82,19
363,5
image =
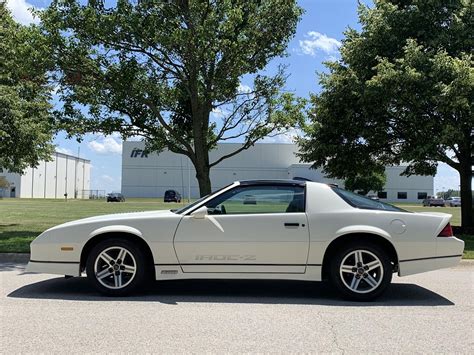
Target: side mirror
x,y
200,213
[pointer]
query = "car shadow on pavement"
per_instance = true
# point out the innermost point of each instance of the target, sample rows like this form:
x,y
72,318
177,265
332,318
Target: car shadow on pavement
x,y
11,266
231,291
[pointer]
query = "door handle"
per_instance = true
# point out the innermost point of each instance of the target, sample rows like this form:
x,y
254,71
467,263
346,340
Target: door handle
x,y
291,224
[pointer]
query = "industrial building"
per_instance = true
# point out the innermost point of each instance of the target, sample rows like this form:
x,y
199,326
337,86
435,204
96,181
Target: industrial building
x,y
63,176
150,175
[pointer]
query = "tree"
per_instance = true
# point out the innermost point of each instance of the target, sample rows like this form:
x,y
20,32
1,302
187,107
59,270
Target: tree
x,y
364,183
4,184
170,71
401,92
26,125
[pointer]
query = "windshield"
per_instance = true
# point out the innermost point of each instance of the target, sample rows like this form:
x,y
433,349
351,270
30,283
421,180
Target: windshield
x,y
363,202
186,208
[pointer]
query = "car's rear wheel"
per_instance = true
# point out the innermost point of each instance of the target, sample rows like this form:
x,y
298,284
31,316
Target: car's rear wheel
x,y
116,267
361,272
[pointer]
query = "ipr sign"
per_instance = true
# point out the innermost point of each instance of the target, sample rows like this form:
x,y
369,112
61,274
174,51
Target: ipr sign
x,y
138,153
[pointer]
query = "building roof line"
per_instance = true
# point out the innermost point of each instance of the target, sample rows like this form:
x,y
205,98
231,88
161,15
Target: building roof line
x,y
72,156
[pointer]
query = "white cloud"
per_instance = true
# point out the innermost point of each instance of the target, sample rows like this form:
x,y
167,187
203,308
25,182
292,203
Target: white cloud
x,y
107,179
287,137
64,150
21,13
244,89
106,145
218,112
319,42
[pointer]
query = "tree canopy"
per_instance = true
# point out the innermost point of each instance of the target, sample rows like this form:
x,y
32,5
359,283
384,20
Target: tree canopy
x,y
401,92
26,125
364,183
171,71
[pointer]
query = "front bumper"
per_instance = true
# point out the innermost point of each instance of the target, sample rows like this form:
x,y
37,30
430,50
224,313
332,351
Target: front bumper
x,y
53,267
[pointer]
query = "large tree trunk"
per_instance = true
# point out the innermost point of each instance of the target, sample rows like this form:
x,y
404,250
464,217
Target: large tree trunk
x,y
204,180
201,163
467,202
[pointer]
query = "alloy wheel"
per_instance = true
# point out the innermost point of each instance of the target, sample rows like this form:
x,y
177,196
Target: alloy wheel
x,y
361,271
115,267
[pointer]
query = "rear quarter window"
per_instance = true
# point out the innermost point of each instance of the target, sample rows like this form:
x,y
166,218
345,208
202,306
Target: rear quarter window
x,y
363,202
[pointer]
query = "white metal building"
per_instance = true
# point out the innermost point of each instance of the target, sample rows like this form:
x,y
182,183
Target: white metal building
x,y
151,175
63,174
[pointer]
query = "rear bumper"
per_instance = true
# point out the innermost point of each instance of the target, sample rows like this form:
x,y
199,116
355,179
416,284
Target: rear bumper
x,y
52,267
448,254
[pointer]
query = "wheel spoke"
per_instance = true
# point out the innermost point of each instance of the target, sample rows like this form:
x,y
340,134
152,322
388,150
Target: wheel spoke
x,y
106,257
371,281
128,268
117,280
373,265
103,273
122,254
358,257
347,268
355,283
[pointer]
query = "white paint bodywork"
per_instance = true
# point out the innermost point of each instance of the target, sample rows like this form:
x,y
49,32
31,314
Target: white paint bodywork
x,y
253,245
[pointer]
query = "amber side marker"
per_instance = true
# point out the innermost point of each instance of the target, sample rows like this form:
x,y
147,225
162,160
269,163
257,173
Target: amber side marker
x,y
67,248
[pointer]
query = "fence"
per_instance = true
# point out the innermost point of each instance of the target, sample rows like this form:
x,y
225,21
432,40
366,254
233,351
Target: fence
x,y
92,194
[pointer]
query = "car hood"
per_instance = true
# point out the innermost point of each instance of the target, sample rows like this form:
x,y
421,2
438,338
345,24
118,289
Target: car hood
x,y
116,217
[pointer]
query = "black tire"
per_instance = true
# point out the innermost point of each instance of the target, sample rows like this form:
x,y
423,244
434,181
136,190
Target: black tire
x,y
132,283
343,287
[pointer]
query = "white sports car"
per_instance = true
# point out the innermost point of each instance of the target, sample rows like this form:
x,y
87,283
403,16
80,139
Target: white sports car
x,y
260,229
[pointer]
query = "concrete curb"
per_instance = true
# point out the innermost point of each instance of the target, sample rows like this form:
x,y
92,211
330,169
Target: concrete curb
x,y
25,257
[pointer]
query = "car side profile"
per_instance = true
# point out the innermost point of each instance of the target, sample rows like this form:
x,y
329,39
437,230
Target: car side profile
x,y
257,229
453,201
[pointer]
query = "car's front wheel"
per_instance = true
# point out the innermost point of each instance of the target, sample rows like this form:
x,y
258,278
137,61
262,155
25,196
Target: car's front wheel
x,y
361,272
116,267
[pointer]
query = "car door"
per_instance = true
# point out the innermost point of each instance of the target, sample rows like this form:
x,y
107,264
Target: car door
x,y
248,229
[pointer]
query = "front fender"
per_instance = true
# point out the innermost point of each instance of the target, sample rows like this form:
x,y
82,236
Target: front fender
x,y
115,229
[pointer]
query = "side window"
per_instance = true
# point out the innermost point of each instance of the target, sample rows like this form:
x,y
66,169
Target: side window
x,y
259,199
422,195
402,195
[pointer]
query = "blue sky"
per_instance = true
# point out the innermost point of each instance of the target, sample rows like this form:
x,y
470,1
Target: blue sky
x,y
317,39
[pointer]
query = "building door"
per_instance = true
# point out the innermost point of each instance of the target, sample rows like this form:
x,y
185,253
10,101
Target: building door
x,y
13,192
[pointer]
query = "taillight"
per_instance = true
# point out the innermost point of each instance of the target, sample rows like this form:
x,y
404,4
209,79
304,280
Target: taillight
x,y
446,232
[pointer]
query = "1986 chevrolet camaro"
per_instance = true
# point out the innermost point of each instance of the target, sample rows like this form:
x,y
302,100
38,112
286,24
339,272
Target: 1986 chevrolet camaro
x,y
259,229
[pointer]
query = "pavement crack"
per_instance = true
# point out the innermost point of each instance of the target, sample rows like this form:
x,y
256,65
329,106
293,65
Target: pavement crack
x,y
332,329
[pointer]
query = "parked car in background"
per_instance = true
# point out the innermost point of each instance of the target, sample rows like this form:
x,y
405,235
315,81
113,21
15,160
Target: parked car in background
x,y
172,196
433,201
453,201
115,197
373,197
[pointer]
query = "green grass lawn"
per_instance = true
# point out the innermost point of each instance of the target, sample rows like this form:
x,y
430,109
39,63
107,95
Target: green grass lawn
x,y
24,219
455,211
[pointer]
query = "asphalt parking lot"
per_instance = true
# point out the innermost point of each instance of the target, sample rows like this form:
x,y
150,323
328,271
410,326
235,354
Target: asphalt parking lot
x,y
426,313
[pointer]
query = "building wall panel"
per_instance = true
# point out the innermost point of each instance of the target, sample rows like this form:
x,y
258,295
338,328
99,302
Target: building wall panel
x,y
150,175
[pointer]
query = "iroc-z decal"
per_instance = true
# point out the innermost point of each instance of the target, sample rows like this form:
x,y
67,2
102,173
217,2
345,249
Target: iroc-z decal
x,y
226,257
